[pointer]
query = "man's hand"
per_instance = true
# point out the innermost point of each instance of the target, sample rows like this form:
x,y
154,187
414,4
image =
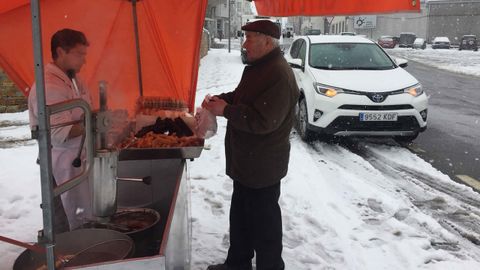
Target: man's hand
x,y
215,105
206,99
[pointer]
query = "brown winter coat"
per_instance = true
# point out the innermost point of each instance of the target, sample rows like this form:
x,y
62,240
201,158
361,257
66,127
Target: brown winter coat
x,y
260,117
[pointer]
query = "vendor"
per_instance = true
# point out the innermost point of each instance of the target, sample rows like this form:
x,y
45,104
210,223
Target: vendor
x,y
69,51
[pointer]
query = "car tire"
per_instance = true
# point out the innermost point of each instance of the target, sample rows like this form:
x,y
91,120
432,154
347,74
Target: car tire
x,y
406,139
302,122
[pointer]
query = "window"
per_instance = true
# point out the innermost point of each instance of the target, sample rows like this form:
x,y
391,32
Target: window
x,y
349,56
296,48
303,51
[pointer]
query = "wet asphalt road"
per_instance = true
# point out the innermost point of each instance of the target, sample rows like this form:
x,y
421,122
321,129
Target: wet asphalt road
x,y
451,142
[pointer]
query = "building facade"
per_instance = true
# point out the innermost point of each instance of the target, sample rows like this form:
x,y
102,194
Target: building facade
x,y
396,23
216,19
450,18
11,98
453,19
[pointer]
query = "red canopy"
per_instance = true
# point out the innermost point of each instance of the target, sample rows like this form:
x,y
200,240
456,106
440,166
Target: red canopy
x,y
280,8
170,34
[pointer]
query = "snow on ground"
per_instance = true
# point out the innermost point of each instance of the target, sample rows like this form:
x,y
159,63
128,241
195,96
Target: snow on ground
x,y
339,212
340,209
14,126
465,61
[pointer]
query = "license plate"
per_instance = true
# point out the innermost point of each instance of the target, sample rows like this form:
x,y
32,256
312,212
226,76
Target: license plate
x,y
377,116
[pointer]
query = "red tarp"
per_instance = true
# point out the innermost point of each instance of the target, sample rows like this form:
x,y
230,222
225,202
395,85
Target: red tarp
x,y
280,8
170,34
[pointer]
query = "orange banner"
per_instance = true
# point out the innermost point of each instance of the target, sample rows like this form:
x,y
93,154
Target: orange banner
x,y
170,34
283,8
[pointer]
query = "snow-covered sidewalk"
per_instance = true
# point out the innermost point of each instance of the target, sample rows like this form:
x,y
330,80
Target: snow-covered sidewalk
x,y
339,210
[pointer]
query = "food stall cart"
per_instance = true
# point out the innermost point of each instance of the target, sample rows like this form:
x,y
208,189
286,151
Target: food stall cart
x,y
141,48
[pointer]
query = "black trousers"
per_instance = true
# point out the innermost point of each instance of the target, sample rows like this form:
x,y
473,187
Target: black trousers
x,y
255,226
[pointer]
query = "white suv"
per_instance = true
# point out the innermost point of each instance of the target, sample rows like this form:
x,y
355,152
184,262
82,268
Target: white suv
x,y
351,87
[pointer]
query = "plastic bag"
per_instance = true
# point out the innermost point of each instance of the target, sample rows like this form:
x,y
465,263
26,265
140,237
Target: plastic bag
x,y
206,123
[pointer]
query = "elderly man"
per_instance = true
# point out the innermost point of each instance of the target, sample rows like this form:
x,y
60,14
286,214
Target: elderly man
x,y
69,50
260,114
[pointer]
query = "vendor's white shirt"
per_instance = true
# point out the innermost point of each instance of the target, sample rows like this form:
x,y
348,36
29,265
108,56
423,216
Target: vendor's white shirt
x,y
77,202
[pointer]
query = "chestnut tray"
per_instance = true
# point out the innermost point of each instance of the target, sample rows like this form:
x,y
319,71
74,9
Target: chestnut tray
x,y
188,152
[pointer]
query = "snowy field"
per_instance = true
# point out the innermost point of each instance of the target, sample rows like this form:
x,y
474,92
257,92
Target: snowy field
x,y
370,206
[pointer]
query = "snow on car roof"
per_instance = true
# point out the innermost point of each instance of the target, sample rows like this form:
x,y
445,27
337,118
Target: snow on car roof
x,y
441,39
339,39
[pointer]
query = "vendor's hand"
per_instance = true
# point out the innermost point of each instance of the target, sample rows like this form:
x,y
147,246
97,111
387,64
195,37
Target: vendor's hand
x,y
216,105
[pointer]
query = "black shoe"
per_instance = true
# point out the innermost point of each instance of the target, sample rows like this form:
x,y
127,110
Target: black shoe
x,y
219,267
224,266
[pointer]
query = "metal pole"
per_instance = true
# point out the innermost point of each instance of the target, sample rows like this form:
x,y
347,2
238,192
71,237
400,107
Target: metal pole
x,y
102,85
47,236
137,46
229,19
427,34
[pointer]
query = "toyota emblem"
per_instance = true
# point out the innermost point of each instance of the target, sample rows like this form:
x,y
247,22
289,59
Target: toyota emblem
x,y
378,98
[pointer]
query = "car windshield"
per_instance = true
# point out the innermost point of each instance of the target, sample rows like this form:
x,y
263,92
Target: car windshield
x,y
347,56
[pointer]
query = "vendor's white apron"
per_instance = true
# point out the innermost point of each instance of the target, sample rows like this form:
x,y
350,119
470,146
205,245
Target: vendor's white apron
x,y
77,201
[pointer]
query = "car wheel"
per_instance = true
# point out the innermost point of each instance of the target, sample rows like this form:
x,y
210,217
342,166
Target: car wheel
x,y
405,139
302,122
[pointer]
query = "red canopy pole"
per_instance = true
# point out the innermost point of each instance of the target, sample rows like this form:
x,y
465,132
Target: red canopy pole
x,y
47,236
137,46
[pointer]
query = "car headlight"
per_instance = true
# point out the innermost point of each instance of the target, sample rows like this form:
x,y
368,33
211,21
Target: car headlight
x,y
415,90
326,90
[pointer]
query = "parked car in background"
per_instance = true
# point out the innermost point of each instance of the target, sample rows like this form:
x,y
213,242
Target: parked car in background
x,y
396,39
441,43
468,42
386,42
406,40
419,43
313,32
351,87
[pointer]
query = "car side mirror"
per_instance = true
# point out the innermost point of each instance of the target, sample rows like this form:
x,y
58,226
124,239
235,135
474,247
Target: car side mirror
x,y
296,63
403,63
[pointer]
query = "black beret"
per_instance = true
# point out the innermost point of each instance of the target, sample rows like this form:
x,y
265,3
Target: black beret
x,y
263,26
